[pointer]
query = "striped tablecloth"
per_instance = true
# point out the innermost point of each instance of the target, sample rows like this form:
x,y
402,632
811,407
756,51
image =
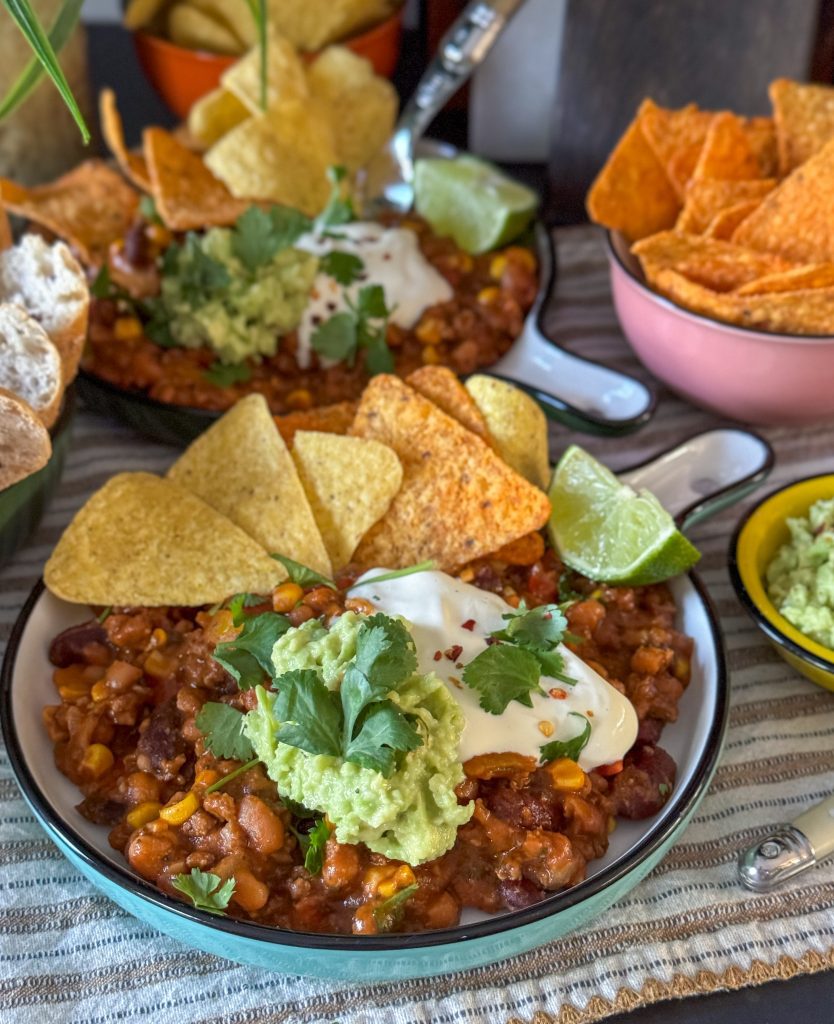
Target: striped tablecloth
x,y
69,954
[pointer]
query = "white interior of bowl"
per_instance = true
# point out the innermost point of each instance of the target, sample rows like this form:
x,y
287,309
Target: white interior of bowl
x,y
32,689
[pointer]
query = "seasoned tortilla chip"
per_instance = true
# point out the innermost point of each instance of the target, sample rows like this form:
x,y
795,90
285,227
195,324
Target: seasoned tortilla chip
x,y
285,78
186,193
726,153
707,197
815,275
241,467
145,541
517,425
804,116
133,164
142,13
797,219
215,114
350,482
5,228
443,387
458,499
632,193
328,419
676,136
89,208
724,224
718,265
761,135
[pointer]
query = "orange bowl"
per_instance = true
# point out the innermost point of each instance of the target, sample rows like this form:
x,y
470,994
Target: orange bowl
x,y
181,76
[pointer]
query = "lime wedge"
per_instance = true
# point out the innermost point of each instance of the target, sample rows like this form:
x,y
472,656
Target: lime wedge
x,y
607,531
472,201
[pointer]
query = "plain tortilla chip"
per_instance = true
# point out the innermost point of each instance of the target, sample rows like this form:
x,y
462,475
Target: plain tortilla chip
x,y
726,152
215,114
285,78
133,164
312,24
186,193
816,275
676,136
141,540
327,419
241,467
458,500
517,425
632,193
707,197
443,387
350,482
804,116
89,208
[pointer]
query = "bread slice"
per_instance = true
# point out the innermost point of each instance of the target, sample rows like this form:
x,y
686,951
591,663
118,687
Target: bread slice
x,y
30,365
47,280
24,441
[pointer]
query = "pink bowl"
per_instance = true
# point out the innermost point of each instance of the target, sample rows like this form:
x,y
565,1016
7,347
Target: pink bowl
x,y
755,376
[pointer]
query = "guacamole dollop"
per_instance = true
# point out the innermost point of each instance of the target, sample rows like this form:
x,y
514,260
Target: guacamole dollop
x,y
412,815
800,579
209,297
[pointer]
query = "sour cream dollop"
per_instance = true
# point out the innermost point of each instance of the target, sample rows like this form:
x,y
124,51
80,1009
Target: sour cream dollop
x,y
391,258
437,606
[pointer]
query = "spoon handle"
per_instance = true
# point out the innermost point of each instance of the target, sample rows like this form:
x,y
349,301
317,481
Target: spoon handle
x,y
788,849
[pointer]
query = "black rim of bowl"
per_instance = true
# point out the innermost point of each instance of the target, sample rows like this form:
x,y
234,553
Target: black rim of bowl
x,y
123,877
663,300
754,611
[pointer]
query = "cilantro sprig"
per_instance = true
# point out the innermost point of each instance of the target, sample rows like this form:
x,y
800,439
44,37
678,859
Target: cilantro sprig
x,y
345,267
225,375
259,235
239,602
339,208
363,326
248,658
222,729
312,844
303,575
571,748
389,913
205,891
395,574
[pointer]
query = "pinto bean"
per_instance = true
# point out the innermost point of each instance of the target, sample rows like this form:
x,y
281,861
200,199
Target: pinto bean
x,y
261,824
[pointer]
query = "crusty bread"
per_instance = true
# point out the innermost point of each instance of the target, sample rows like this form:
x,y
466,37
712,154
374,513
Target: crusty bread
x,y
49,283
24,441
30,365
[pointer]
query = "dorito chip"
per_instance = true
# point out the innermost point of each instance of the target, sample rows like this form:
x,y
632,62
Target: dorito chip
x,y
195,29
5,227
89,208
724,224
326,419
285,78
804,116
312,24
186,193
797,218
145,541
632,192
517,426
362,106
282,155
676,136
215,114
350,482
726,153
458,499
707,197
761,135
720,266
141,13
816,275
443,387
242,468
133,164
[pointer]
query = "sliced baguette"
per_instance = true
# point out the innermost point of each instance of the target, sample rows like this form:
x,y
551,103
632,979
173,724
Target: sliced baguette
x,y
30,365
49,283
24,441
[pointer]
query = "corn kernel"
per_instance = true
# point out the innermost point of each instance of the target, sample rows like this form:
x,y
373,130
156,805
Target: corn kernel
x,y
430,356
487,296
143,813
286,596
100,691
518,254
464,262
566,774
467,574
159,637
206,777
176,814
127,327
404,876
74,691
300,398
97,760
497,265
546,728
428,331
387,889
157,665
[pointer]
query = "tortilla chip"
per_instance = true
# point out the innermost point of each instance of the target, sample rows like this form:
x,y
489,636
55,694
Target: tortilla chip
x,y
804,116
816,275
326,419
724,224
443,387
458,500
282,156
707,197
89,208
186,193
6,238
632,192
312,24
676,136
517,426
145,541
797,219
236,15
215,114
196,30
285,76
726,153
761,136
242,468
720,266
141,13
350,483
133,164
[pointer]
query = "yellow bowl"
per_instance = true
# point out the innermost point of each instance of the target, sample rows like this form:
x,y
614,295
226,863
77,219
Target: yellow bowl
x,y
758,537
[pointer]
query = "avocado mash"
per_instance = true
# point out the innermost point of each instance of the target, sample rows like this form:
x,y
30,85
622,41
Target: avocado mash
x,y
800,579
411,815
210,296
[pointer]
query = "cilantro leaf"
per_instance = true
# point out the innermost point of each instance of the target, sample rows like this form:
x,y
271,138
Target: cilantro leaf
x,y
253,239
346,267
288,225
309,713
383,730
204,890
241,601
336,338
302,574
158,325
370,303
389,913
148,210
100,288
312,845
571,748
222,729
224,376
539,630
339,208
248,658
385,651
378,358
200,275
503,673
